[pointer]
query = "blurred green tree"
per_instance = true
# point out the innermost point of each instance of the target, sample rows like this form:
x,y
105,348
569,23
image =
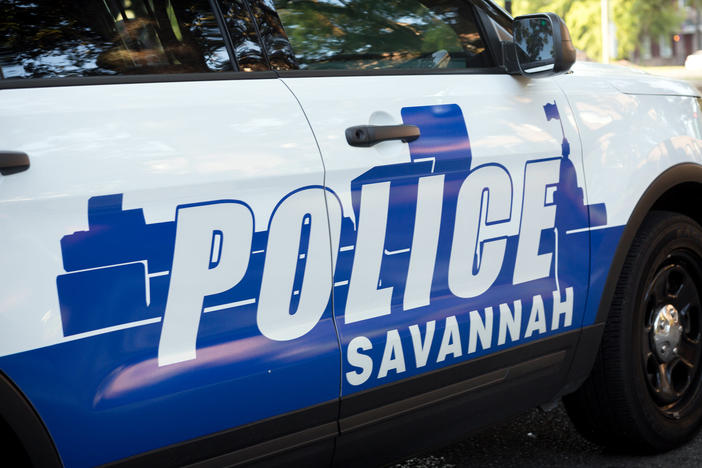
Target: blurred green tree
x,y
633,19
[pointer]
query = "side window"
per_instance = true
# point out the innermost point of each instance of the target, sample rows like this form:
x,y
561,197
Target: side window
x,y
370,34
275,41
249,53
75,38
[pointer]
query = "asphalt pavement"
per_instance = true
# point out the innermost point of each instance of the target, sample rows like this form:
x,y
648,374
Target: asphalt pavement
x,y
540,439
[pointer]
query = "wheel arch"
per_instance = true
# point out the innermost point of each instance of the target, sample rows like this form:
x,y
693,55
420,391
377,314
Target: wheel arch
x,y
673,190
670,191
23,420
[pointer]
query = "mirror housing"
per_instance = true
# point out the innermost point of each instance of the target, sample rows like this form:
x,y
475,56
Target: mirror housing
x,y
541,46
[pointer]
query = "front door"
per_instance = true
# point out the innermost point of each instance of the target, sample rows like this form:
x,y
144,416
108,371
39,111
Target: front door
x,y
464,226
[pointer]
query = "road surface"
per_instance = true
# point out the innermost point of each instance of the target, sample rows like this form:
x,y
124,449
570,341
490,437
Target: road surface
x,y
539,439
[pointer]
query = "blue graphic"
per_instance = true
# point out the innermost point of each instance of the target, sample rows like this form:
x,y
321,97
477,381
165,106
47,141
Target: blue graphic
x,y
552,111
108,391
444,148
121,266
107,267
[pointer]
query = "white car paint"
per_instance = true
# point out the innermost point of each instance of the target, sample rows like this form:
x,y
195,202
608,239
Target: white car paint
x,y
633,126
161,144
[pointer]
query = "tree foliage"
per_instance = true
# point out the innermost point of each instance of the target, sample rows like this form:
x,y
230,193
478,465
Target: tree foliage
x,y
633,19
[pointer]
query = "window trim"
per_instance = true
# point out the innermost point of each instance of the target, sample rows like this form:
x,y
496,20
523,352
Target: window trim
x,y
494,11
228,41
134,79
492,40
489,35
389,72
259,38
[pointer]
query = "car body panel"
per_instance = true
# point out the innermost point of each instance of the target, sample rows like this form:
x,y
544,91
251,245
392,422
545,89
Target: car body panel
x,y
482,135
633,81
114,170
628,141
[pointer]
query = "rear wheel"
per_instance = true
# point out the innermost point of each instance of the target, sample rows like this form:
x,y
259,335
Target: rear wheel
x,y
645,391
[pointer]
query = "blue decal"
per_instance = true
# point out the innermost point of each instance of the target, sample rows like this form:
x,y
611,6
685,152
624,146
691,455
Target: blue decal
x,y
444,148
108,392
104,387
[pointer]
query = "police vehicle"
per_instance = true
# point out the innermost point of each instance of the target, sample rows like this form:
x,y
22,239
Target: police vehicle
x,y
335,232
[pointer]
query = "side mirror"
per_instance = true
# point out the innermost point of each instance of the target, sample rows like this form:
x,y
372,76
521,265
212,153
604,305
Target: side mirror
x,y
541,47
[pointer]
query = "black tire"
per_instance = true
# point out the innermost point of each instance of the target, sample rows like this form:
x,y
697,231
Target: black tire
x,y
642,396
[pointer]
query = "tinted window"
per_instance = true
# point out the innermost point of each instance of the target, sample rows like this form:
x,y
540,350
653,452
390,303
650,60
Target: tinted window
x,y
278,49
60,38
247,48
371,34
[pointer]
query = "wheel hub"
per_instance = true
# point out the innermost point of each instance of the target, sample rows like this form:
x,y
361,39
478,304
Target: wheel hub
x,y
667,332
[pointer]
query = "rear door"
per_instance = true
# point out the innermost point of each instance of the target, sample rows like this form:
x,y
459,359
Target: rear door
x,y
166,264
465,241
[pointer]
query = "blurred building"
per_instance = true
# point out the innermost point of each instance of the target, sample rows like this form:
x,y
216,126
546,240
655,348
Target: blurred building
x,y
673,49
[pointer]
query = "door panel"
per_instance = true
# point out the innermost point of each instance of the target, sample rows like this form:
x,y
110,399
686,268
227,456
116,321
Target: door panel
x,y
136,246
469,240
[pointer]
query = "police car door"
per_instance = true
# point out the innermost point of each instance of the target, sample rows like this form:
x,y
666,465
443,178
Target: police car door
x,y
464,229
166,264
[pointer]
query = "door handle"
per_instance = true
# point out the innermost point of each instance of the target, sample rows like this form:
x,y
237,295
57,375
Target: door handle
x,y
365,136
12,162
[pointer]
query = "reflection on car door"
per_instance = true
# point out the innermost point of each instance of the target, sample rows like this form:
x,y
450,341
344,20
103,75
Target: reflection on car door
x,y
469,240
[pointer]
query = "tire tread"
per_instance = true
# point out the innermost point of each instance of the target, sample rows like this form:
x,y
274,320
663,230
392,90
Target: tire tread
x,y
603,409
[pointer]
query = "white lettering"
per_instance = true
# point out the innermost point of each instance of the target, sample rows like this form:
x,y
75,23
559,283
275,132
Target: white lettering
x,y
365,300
360,360
537,318
509,321
192,279
274,318
480,329
421,350
485,197
427,221
451,341
536,217
393,357
562,308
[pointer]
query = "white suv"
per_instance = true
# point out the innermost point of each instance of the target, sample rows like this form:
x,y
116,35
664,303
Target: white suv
x,y
335,231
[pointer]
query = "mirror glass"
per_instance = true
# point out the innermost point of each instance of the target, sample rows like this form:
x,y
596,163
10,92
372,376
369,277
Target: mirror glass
x,y
534,39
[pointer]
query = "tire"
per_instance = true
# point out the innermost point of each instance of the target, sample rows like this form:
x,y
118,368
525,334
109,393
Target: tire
x,y
644,393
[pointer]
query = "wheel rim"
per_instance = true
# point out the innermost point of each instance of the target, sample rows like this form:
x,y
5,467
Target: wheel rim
x,y
672,340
